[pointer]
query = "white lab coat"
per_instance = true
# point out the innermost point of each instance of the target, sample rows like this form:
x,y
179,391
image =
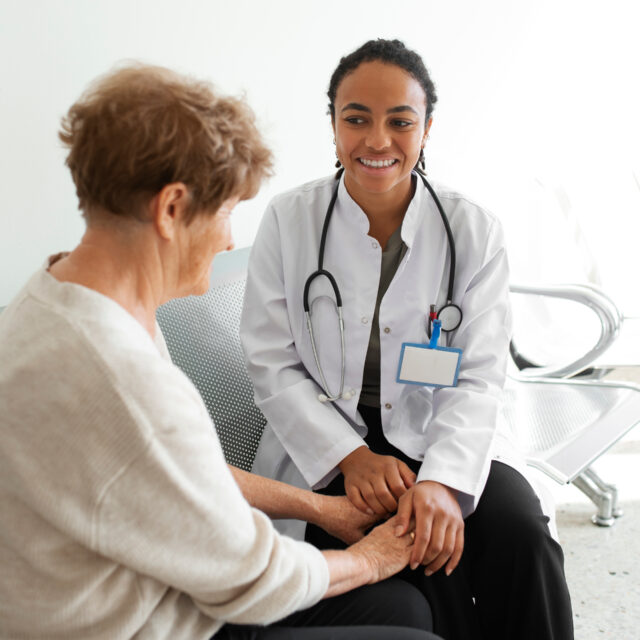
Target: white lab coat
x,y
455,432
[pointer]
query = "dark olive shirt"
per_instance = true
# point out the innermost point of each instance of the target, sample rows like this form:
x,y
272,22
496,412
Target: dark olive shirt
x,y
391,259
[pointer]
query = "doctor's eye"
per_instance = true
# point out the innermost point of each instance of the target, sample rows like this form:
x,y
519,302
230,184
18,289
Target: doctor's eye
x,y
401,124
354,120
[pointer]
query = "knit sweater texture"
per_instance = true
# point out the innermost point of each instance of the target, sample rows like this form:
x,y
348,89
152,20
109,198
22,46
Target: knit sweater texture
x,y
119,515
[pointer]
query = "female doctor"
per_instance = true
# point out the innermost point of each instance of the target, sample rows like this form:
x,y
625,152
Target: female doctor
x,y
383,408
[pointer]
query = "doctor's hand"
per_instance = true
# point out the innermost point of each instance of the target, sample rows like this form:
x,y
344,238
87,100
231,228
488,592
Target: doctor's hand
x,y
439,526
374,483
340,518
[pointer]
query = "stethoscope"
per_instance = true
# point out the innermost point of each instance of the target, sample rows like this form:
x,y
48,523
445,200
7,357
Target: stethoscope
x,y
449,315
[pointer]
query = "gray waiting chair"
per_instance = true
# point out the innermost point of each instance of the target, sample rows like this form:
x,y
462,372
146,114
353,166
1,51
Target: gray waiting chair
x,y
562,424
201,333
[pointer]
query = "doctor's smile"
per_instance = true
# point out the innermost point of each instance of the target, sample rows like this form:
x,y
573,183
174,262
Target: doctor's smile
x,y
377,164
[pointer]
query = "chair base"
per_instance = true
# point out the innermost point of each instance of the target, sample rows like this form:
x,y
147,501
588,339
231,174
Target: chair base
x,y
602,522
602,494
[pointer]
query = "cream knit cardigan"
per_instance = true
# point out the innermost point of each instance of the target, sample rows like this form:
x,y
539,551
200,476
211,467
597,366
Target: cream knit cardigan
x,y
118,515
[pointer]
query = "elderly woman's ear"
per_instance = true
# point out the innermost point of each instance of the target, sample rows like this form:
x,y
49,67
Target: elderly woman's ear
x,y
168,208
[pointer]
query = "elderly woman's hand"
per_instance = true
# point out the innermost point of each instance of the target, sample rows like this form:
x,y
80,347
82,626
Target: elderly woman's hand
x,y
341,519
385,552
379,555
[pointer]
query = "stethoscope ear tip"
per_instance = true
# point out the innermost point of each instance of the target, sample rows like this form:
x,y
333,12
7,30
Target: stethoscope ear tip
x,y
322,397
347,395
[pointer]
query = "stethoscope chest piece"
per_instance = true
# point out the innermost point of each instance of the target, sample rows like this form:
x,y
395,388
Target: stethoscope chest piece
x,y
450,316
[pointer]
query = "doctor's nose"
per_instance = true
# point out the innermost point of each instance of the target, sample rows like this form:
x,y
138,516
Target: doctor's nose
x,y
378,138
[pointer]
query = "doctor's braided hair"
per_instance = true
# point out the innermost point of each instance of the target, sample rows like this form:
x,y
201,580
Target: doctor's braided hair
x,y
389,52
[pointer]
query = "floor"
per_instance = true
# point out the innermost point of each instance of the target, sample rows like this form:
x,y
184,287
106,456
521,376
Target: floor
x,y
603,564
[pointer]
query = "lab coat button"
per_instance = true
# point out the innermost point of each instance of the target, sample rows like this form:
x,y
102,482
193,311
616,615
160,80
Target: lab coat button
x,y
387,330
364,320
374,244
387,405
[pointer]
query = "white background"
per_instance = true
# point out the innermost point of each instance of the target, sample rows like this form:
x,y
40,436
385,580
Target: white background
x,y
537,116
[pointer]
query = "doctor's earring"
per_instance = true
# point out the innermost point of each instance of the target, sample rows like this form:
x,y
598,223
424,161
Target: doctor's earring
x,y
338,163
421,161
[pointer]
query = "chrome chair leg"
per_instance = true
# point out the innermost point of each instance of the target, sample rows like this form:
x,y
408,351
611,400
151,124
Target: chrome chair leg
x,y
616,511
602,499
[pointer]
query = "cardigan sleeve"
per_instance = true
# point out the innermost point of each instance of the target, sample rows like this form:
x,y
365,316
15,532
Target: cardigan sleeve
x,y
175,513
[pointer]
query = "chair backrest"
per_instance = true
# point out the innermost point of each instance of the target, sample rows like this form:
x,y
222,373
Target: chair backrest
x,y
202,337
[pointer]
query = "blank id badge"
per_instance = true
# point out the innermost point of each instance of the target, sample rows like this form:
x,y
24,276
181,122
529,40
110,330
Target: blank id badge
x,y
429,366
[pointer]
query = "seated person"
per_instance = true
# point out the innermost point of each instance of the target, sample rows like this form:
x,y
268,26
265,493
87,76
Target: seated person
x,y
120,517
345,272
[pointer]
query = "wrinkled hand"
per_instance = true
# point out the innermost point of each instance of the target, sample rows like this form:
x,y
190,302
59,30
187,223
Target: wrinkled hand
x,y
383,551
439,527
374,483
340,518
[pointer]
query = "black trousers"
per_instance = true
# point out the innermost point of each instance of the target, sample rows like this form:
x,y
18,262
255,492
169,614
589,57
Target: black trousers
x,y
390,610
510,583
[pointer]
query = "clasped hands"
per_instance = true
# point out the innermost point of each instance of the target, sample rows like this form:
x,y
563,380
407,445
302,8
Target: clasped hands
x,y
381,485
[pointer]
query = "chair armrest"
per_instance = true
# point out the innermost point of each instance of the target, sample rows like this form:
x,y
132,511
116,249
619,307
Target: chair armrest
x,y
595,299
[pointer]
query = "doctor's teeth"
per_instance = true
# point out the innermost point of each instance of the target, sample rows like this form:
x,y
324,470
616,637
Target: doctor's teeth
x,y
376,163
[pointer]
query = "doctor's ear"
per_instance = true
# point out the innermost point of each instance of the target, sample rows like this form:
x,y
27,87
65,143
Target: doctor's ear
x,y
421,161
427,127
338,163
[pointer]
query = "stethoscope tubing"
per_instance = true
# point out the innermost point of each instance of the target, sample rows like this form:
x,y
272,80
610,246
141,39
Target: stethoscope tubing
x,y
320,271
447,228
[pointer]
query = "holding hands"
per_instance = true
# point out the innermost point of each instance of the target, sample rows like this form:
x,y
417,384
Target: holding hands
x,y
379,485
384,551
439,526
377,556
340,518
374,483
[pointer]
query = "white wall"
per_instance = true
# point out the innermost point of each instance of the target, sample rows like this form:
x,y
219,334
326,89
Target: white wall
x,y
537,118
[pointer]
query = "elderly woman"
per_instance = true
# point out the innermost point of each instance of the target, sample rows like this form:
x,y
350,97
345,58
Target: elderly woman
x,y
120,517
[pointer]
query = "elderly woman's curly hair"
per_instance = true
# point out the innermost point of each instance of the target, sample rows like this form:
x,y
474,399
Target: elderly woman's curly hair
x,y
142,127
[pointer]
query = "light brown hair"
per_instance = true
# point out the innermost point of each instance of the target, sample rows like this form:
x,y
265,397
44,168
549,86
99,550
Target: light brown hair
x,y
141,127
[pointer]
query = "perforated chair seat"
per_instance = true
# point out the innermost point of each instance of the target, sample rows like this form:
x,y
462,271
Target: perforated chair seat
x,y
202,337
562,426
